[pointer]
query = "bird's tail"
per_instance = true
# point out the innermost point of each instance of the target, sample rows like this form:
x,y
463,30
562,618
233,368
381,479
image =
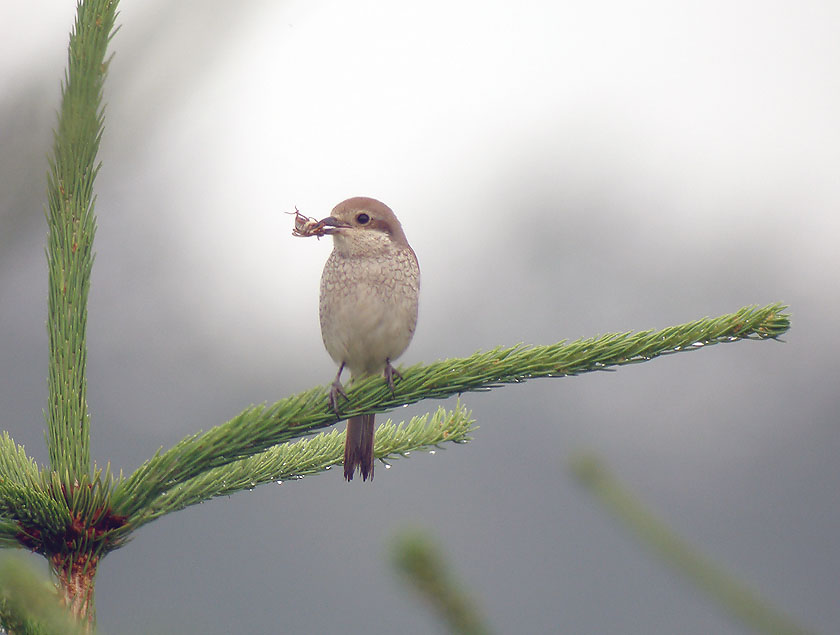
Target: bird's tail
x,y
358,447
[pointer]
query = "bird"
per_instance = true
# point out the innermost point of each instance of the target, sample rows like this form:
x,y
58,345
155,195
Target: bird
x,y
369,296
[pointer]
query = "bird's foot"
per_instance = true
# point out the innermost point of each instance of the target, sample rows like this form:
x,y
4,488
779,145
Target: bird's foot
x,y
390,373
336,391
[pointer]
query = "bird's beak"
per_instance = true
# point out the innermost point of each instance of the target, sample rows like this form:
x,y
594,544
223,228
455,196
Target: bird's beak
x,y
332,222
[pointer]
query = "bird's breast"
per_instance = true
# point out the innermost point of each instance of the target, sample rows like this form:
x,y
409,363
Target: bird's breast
x,y
368,307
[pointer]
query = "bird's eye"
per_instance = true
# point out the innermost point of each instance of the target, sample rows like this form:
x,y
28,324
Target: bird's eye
x,y
362,219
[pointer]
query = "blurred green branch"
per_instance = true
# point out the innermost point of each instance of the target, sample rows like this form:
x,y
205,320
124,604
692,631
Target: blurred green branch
x,y
29,604
734,596
423,564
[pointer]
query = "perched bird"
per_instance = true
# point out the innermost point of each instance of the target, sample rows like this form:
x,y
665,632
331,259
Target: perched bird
x,y
368,309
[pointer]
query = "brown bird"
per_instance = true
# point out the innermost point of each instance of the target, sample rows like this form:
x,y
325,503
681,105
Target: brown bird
x,y
368,309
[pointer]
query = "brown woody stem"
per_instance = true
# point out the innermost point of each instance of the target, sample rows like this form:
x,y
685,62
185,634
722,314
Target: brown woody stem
x,y
76,574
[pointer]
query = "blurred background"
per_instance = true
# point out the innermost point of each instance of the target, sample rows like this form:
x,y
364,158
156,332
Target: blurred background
x,y
562,169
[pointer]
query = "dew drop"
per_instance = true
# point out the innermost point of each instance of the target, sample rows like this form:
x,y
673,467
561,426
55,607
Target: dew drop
x,y
431,452
279,482
387,466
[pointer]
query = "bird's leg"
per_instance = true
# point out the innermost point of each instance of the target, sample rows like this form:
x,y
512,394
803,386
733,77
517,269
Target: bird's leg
x,y
336,390
390,373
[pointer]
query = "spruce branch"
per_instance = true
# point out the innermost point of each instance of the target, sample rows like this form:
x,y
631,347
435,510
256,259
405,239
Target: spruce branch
x,y
26,505
15,465
29,604
72,225
259,427
423,564
9,531
293,461
54,516
733,595
35,512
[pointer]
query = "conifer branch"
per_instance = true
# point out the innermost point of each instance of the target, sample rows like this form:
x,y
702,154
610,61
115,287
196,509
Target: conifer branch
x,y
62,512
423,564
260,427
30,605
9,531
293,461
34,510
73,169
15,465
733,595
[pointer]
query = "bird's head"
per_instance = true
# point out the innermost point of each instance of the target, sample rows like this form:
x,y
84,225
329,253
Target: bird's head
x,y
362,223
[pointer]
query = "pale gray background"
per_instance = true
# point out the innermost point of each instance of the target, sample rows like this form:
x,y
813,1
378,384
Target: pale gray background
x,y
561,169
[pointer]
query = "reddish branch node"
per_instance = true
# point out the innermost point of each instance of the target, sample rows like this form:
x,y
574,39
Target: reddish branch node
x,y
67,542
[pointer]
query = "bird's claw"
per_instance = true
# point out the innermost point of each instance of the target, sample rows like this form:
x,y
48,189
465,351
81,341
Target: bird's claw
x,y
336,391
390,373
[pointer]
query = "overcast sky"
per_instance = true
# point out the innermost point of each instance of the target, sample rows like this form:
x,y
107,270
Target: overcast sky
x,y
561,170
